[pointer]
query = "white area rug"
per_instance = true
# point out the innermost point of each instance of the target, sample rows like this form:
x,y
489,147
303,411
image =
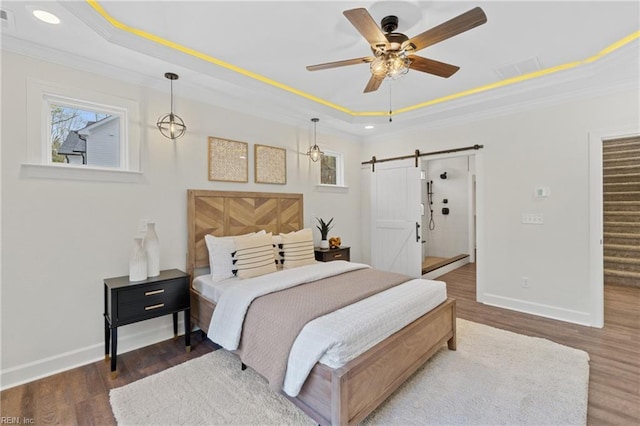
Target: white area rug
x,y
495,377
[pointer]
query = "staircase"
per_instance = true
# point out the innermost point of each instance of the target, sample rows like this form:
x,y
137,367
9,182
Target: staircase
x,y
621,195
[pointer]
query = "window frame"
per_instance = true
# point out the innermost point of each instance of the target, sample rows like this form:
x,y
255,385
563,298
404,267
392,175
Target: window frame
x,y
339,156
49,100
39,164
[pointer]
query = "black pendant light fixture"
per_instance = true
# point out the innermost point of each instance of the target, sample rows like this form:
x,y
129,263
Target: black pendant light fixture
x,y
314,151
170,125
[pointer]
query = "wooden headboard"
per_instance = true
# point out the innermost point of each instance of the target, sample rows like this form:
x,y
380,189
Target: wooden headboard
x,y
223,213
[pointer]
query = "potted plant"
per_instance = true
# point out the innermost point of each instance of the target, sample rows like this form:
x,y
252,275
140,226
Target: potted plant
x,y
324,228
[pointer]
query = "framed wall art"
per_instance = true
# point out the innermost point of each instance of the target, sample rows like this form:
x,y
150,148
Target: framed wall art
x,y
270,164
228,160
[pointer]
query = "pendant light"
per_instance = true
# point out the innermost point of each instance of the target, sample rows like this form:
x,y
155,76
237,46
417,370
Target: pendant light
x,y
170,125
314,151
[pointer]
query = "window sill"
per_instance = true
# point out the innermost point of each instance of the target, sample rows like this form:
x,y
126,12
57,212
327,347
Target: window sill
x,y
332,188
48,171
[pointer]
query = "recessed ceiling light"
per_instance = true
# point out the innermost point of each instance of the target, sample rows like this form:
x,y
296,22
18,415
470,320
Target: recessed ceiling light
x,y
369,127
47,17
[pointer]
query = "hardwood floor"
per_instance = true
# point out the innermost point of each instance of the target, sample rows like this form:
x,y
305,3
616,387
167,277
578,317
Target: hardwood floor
x,y
81,396
614,350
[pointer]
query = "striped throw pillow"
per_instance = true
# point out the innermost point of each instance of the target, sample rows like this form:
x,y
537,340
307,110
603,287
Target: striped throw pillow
x,y
278,254
253,256
220,249
297,248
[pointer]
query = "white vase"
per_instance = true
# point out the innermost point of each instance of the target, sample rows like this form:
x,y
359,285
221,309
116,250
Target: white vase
x,y
138,261
324,244
152,249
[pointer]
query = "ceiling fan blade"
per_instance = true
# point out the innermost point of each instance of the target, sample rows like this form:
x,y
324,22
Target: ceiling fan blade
x,y
364,23
431,66
452,27
355,61
374,83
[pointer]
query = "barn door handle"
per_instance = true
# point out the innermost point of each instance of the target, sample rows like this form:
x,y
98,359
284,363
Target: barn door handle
x,y
417,232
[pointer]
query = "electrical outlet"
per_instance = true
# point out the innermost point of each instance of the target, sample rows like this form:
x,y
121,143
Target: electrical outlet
x,y
525,282
533,218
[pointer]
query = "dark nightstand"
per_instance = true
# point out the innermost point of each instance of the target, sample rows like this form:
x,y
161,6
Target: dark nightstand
x,y
127,302
327,255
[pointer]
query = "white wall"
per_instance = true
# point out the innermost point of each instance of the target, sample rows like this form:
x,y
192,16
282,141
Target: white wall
x,y
544,146
60,237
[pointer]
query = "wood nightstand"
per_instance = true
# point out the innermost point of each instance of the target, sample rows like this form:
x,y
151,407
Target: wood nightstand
x,y
327,255
127,302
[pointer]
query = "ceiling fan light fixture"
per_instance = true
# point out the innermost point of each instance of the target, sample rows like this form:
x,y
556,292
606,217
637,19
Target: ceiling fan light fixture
x,y
378,66
397,65
391,64
393,52
314,152
171,125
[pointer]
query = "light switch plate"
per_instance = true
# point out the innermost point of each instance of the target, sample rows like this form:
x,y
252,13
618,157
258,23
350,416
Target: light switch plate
x,y
542,192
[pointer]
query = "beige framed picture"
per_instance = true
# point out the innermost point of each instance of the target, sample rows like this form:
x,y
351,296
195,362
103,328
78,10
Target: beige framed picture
x,y
228,160
270,164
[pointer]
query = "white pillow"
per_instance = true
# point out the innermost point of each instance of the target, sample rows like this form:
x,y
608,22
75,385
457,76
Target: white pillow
x,y
298,248
220,249
254,256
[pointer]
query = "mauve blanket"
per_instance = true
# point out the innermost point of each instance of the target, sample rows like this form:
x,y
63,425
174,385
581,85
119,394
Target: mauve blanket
x,y
273,321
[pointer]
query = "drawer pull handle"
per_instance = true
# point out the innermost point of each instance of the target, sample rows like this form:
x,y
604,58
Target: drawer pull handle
x,y
148,308
337,255
151,293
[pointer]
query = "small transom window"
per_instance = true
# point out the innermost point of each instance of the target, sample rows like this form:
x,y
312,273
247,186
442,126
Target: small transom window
x,y
83,136
332,168
75,132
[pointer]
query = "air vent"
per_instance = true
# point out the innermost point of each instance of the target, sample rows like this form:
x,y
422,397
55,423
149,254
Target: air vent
x,y
6,17
516,69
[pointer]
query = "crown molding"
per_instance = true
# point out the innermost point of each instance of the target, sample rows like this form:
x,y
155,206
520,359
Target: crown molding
x,y
588,80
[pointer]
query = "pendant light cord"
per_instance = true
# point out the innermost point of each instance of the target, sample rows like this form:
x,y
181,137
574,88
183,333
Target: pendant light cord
x,y
171,97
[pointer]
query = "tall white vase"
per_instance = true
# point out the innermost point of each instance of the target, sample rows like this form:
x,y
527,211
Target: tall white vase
x,y
138,261
152,248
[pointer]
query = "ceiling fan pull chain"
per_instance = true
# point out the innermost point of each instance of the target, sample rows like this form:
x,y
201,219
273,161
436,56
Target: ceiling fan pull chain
x,y
390,110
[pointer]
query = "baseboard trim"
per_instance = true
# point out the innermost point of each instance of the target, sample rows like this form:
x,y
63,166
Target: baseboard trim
x,y
28,372
547,311
446,268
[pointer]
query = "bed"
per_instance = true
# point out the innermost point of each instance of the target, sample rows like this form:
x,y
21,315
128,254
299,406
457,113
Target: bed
x,y
344,395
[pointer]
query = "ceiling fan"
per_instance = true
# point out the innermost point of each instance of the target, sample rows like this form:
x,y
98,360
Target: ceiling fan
x,y
393,52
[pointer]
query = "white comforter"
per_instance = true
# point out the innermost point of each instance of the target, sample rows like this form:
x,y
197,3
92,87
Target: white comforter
x,y
341,336
332,339
225,327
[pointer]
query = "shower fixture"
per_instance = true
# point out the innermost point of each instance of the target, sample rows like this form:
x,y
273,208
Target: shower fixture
x,y
432,224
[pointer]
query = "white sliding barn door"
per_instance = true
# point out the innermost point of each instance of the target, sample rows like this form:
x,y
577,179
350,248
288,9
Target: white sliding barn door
x,y
395,214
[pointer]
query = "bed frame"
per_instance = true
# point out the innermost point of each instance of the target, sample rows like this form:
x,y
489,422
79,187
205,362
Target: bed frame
x,y
330,396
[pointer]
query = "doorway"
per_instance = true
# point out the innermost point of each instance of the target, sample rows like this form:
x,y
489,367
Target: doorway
x,y
621,207
448,220
596,215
